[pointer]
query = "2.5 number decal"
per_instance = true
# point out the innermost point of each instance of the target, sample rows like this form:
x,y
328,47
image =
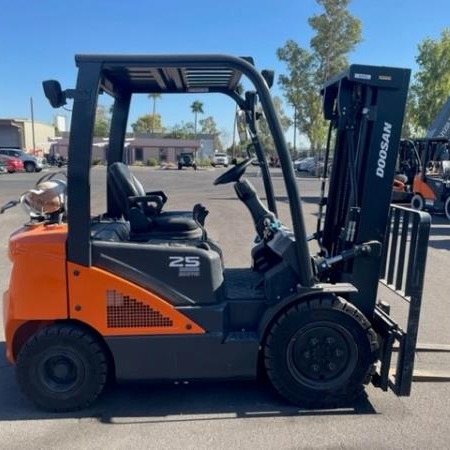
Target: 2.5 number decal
x,y
184,261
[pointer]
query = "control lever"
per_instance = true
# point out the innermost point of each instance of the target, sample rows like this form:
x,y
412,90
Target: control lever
x,y
8,205
199,214
370,248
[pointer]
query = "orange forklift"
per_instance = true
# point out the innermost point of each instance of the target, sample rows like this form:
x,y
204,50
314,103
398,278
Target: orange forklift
x,y
140,292
431,183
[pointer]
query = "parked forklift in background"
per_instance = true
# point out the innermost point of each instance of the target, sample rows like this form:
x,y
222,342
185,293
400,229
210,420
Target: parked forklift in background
x,y
431,183
141,292
422,176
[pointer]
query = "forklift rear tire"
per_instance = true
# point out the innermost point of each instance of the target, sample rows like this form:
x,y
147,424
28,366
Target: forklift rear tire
x,y
447,207
62,367
417,202
320,353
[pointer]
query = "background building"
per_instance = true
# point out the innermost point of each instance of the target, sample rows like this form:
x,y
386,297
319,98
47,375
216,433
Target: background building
x,y
18,133
142,148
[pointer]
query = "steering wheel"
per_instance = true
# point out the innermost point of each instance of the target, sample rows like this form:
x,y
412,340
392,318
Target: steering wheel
x,y
235,173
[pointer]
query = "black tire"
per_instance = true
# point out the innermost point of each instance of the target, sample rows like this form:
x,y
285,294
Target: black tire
x,y
447,207
62,368
320,353
417,202
179,166
29,167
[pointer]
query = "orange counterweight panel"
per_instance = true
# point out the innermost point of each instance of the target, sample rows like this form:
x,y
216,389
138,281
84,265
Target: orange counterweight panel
x,y
38,285
116,307
422,188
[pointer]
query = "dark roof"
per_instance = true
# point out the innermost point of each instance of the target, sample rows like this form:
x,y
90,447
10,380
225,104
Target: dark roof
x,y
170,73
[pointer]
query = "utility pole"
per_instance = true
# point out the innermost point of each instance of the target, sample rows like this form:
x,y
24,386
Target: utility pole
x,y
233,156
295,131
32,124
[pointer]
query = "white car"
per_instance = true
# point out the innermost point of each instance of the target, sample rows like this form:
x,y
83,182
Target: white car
x,y
220,159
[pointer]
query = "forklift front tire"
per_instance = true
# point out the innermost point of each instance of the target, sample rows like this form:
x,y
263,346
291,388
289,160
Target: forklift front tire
x,y
417,202
320,353
63,367
447,207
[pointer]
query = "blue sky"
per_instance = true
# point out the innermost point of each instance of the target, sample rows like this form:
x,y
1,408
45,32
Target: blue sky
x,y
38,40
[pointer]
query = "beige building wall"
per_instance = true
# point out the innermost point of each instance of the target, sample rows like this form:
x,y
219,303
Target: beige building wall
x,y
42,133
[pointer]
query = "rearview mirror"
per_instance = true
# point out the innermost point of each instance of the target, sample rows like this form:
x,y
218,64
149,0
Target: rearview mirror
x,y
241,125
54,93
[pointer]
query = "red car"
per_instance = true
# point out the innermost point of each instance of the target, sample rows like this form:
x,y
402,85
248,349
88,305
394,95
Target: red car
x,y
12,164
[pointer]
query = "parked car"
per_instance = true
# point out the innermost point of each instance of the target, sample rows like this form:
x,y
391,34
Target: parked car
x,y
317,169
31,163
186,160
305,164
220,159
11,164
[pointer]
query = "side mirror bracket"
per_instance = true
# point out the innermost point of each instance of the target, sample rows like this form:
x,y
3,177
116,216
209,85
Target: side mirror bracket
x,y
57,97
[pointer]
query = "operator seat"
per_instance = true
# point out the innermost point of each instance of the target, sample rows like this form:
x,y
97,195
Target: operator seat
x,y
144,209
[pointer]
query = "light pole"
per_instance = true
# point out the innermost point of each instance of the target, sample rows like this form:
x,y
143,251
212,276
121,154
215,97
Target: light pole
x,y
32,124
295,131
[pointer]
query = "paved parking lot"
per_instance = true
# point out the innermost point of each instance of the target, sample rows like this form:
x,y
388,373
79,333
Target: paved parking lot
x,y
232,415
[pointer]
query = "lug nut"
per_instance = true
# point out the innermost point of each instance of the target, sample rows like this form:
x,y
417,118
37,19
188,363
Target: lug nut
x,y
315,367
307,355
313,341
338,352
330,340
331,367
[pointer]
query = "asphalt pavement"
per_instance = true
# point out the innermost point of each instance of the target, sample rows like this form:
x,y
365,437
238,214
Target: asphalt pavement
x,y
244,415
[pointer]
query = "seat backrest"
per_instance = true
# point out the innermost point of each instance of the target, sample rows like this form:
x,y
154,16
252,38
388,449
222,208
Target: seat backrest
x,y
122,185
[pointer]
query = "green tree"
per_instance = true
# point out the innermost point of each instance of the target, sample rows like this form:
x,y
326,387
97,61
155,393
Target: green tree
x,y
264,133
336,34
146,123
196,108
182,131
154,97
208,126
410,128
102,122
431,86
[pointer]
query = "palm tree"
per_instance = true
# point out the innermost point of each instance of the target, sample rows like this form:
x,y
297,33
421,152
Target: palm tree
x,y
196,108
154,97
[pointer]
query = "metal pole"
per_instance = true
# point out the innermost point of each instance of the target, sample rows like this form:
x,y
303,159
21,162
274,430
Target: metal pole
x,y
233,156
32,124
295,131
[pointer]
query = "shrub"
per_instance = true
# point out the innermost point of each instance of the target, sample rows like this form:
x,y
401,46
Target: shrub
x,y
203,162
152,162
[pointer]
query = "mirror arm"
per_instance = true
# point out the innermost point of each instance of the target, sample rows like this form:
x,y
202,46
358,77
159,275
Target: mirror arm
x,y
76,94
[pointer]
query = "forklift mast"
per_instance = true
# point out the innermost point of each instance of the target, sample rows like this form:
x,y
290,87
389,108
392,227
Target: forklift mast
x,y
365,106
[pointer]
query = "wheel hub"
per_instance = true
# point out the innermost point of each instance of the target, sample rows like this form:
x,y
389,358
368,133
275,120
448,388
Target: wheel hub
x,y
59,373
321,353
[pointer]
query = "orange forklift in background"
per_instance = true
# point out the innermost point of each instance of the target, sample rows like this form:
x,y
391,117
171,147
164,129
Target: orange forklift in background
x,y
431,183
